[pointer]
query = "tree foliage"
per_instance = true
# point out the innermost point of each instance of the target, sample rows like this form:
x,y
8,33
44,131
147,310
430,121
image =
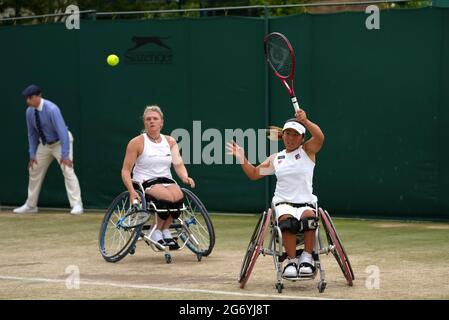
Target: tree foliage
x,y
22,8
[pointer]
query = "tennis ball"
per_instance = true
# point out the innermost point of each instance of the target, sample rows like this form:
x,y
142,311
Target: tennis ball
x,y
113,60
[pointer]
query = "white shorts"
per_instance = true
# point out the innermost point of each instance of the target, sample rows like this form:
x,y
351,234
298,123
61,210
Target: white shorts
x,y
288,209
164,184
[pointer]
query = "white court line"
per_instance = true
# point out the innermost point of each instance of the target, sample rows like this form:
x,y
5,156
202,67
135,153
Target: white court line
x,y
127,285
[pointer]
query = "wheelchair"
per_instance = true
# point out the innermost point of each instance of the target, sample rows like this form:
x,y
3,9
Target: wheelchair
x,y
276,250
124,224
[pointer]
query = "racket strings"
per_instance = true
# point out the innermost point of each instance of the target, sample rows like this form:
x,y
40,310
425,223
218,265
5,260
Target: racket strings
x,y
278,55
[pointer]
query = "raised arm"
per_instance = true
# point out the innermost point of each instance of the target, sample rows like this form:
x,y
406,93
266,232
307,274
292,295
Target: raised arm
x,y
314,144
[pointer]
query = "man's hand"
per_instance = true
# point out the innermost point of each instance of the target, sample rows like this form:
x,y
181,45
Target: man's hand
x,y
66,162
31,163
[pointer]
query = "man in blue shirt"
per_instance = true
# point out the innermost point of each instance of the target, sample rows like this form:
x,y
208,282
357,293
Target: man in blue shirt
x,y
48,139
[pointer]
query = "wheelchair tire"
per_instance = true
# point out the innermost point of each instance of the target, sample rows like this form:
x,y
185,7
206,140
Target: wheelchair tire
x,y
196,219
338,252
254,246
115,241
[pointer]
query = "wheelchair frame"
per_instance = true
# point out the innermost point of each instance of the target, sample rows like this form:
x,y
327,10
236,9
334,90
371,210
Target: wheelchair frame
x,y
275,249
190,226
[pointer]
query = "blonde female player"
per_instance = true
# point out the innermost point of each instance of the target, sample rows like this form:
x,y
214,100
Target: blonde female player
x,y
293,197
150,156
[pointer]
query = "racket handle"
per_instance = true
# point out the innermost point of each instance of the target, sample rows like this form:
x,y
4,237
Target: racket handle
x,y
295,103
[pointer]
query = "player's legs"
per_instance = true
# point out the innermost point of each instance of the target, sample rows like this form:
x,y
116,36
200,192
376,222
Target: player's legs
x,y
284,214
309,236
160,192
171,193
289,238
306,262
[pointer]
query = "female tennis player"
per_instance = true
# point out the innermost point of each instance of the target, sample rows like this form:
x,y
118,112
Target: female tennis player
x,y
293,197
149,156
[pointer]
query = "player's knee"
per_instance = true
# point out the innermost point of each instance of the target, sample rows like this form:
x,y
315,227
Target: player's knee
x,y
178,196
308,214
289,224
308,223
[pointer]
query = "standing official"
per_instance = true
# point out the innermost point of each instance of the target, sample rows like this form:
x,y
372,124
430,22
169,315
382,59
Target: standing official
x,y
48,139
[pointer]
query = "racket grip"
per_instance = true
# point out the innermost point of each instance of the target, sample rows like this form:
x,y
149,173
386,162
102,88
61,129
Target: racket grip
x,y
295,103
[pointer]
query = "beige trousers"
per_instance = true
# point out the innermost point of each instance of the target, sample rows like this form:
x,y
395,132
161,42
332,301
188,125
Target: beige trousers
x,y
45,154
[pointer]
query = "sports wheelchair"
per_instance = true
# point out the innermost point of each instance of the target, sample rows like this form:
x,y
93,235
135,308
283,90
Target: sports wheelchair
x,y
125,223
275,249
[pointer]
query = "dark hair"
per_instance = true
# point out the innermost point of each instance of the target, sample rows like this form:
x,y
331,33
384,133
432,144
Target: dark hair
x,y
292,120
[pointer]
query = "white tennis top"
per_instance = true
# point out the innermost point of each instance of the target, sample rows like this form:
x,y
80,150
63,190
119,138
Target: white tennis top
x,y
154,162
294,173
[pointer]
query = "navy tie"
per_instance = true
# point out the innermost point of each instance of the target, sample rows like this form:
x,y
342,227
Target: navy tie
x,y
39,128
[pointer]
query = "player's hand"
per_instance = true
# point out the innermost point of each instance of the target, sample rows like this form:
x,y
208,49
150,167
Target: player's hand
x,y
235,150
189,181
66,162
134,196
31,163
301,116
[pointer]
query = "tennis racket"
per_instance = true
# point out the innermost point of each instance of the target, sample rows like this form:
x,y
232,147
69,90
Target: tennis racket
x,y
281,58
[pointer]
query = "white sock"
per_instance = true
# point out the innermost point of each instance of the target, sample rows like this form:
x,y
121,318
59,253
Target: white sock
x,y
305,257
156,235
167,234
295,260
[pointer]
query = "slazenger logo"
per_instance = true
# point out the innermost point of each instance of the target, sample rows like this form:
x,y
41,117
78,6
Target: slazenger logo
x,y
149,50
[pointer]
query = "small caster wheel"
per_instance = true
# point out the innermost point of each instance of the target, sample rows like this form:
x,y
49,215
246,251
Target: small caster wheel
x,y
321,286
132,251
279,287
167,258
199,256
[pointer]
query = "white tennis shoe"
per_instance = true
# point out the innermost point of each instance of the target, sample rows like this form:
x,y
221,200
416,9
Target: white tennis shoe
x,y
291,269
77,209
25,209
306,264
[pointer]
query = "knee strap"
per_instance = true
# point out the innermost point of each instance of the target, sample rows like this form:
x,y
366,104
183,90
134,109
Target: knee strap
x,y
307,224
173,208
295,226
291,225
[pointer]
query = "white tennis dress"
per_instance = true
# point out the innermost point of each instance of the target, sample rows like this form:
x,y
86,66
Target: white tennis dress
x,y
154,162
294,173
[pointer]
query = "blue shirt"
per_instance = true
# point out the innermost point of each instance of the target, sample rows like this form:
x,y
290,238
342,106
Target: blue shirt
x,y
52,124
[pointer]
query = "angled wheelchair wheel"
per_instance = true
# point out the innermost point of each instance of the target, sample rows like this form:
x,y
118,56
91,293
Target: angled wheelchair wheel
x,y
197,232
337,248
254,247
117,236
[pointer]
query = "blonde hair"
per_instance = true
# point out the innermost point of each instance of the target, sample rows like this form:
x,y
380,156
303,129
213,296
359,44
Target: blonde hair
x,y
154,108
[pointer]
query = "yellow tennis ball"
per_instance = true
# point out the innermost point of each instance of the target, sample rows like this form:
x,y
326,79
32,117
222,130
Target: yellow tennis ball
x,y
113,60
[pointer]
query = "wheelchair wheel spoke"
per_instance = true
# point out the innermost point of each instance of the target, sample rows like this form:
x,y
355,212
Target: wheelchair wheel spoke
x,y
116,239
197,232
